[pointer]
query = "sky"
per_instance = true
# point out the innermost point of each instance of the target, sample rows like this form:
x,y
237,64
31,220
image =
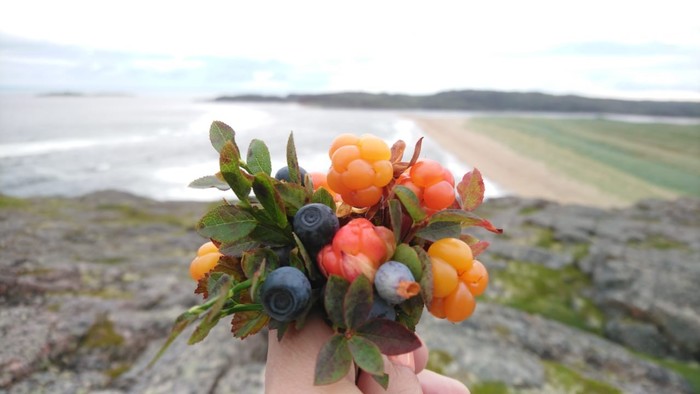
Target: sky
x,y
620,49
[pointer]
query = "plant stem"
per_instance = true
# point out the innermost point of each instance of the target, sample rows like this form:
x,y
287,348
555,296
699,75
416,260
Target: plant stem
x,y
233,291
241,308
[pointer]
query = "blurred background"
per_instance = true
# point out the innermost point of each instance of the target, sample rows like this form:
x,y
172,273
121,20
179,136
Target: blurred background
x,y
583,118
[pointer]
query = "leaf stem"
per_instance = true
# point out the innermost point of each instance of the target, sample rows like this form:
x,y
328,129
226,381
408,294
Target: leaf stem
x,y
241,308
198,309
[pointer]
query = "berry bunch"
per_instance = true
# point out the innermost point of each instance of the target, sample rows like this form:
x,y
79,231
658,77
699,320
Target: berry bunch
x,y
368,255
360,168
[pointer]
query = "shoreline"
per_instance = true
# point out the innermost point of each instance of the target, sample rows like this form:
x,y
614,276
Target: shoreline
x,y
511,171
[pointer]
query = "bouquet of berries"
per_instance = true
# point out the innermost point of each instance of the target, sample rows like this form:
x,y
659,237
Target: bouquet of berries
x,y
367,246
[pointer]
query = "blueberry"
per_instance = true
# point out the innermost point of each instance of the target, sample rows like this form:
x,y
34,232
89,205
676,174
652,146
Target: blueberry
x,y
283,174
395,283
315,224
282,253
285,293
380,309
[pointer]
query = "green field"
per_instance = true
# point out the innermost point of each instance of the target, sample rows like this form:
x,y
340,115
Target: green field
x,y
627,160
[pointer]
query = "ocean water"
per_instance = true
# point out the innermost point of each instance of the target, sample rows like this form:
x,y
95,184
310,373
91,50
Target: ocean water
x,y
155,146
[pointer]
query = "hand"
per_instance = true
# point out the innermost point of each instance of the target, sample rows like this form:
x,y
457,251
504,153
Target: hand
x,y
291,364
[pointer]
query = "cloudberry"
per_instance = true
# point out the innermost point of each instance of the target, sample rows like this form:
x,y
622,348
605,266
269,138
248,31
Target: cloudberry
x,y
207,257
453,251
431,183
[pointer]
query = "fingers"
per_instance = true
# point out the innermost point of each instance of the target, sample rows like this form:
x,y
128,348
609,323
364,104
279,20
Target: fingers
x,y
420,357
291,363
402,380
434,383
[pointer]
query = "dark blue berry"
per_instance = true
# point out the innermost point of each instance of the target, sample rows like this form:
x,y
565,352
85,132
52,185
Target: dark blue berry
x,y
283,174
381,309
285,293
315,224
282,253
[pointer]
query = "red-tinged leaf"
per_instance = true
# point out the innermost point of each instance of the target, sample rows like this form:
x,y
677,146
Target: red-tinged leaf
x,y
292,161
466,219
358,302
333,299
181,323
211,284
479,247
270,199
230,166
231,266
245,324
226,223
391,337
258,158
209,181
410,202
416,152
426,280
366,355
334,361
220,133
397,151
471,190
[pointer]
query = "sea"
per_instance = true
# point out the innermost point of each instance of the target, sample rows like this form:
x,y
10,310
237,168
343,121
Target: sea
x,y
154,146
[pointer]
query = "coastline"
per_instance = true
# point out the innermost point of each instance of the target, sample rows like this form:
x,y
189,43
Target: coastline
x,y
514,173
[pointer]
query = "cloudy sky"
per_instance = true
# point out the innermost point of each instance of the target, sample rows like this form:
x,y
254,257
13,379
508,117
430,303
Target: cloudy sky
x,y
626,49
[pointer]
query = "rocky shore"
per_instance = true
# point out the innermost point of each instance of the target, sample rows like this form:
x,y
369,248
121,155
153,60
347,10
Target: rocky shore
x,y
581,300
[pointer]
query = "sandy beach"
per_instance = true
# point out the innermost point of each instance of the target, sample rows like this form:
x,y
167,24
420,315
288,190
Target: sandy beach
x,y
512,171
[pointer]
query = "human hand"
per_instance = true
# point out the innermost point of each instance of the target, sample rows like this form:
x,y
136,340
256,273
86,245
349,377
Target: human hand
x,y
291,364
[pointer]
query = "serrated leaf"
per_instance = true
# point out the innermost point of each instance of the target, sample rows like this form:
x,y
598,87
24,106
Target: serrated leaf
x,y
209,181
426,280
439,230
292,161
333,299
226,223
391,337
333,362
258,158
410,202
322,196
406,255
213,316
271,234
293,196
270,199
474,243
395,217
358,302
409,312
210,284
181,322
366,355
229,164
464,218
220,133
248,323
471,190
236,248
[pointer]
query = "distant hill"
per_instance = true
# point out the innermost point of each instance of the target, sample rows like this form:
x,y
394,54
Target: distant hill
x,y
482,100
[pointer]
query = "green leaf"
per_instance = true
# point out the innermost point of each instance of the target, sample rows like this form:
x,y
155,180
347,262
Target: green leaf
x,y
226,223
382,380
248,323
391,337
409,312
333,299
366,355
209,181
220,133
405,254
358,302
396,217
471,190
322,196
333,362
410,202
270,199
229,164
439,230
210,285
271,235
292,162
311,268
426,280
212,317
258,158
464,218
236,248
252,261
181,323
293,196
